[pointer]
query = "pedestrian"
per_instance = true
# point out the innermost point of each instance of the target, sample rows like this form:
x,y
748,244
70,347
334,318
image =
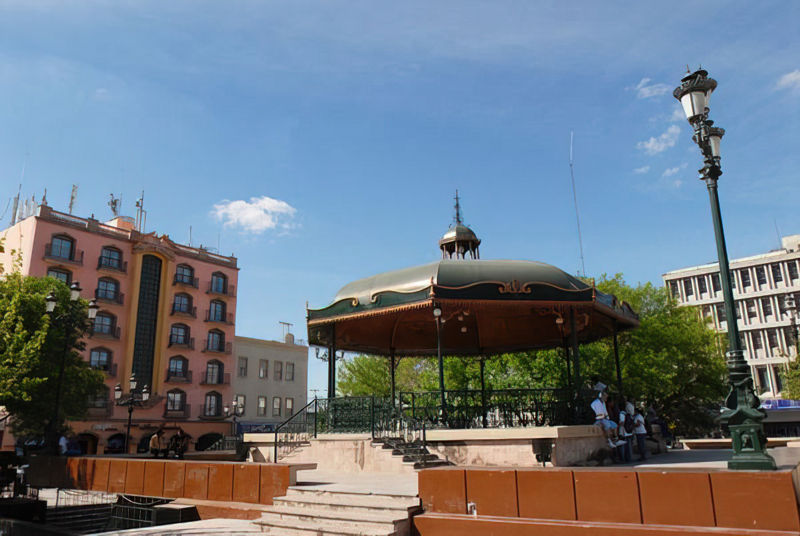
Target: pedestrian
x,y
641,434
156,443
63,444
626,427
181,443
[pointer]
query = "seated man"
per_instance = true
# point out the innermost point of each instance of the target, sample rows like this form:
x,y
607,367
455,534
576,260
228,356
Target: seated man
x,y
601,419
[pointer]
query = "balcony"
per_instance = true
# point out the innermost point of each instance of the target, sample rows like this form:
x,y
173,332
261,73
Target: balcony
x,y
222,319
110,369
117,298
216,416
180,413
75,257
186,281
216,379
100,408
112,332
186,311
181,342
226,290
219,349
104,263
184,376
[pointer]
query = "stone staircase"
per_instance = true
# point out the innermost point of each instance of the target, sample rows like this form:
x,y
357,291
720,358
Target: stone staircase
x,y
412,453
315,512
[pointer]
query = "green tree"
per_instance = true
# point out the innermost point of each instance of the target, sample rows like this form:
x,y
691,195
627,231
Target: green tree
x,y
32,346
671,361
791,380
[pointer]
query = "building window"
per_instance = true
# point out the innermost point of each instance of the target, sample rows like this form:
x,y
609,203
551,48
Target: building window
x,y
777,276
289,372
673,288
100,358
216,312
276,406
213,405
176,400
751,309
240,400
715,284
757,344
721,316
262,406
216,341
761,275
179,334
745,275
762,378
107,289
111,258
61,247
772,338
184,274
219,283
687,287
100,400
289,406
104,323
242,367
766,304
182,303
263,369
791,268
62,275
776,374
214,372
733,279
702,287
278,374
177,367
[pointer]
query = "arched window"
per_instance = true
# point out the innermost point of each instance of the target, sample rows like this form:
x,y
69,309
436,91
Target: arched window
x,y
62,247
179,334
216,341
219,283
105,323
178,367
100,358
184,274
182,303
213,405
110,257
216,311
107,289
176,400
214,372
60,274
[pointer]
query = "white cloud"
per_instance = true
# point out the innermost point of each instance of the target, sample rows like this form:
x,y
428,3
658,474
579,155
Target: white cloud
x,y
101,94
661,143
641,170
790,81
256,216
673,170
678,114
645,90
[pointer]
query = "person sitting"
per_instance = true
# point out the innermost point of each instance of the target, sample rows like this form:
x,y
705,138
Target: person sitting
x,y
601,419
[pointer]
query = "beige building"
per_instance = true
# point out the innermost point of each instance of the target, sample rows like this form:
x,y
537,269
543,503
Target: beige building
x,y
761,284
269,380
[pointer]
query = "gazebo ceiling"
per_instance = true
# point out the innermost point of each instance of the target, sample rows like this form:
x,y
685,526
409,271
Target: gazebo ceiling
x,y
488,307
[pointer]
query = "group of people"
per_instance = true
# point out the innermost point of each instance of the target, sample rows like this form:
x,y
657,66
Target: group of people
x,y
622,422
178,444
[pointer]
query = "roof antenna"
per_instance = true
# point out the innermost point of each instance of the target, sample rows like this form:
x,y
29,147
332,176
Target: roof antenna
x,y
575,200
457,219
72,197
778,232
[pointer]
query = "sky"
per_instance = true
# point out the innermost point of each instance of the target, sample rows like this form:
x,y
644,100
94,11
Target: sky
x,y
323,141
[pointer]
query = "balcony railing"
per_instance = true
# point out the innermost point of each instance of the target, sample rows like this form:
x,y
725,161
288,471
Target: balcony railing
x,y
118,298
99,408
180,413
227,348
188,281
110,369
216,415
225,318
216,379
188,311
179,377
103,263
226,290
105,333
75,257
184,342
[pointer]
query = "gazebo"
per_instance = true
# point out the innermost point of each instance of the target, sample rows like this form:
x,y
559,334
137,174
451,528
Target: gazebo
x,y
463,306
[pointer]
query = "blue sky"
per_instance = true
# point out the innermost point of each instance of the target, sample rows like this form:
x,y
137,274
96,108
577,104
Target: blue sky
x,y
357,121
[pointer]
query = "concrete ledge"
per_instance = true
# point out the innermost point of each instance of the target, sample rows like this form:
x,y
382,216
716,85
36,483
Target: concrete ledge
x,y
725,442
533,432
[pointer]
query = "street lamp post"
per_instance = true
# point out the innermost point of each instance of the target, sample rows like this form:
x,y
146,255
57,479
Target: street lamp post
x,y
238,411
437,316
136,398
50,306
742,413
791,306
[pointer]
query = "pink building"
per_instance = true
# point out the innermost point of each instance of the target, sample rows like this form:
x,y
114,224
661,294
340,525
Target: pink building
x,y
167,314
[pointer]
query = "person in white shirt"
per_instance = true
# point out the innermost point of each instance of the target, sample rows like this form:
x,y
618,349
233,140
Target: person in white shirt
x,y
626,432
63,444
641,434
601,418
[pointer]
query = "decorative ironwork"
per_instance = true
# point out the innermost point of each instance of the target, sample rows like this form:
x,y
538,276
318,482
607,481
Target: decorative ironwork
x,y
514,287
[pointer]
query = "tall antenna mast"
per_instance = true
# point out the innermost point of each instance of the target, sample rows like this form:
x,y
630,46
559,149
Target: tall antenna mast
x,y
72,197
458,220
575,200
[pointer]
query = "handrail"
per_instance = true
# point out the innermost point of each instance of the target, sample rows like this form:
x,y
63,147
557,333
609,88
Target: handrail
x,y
304,411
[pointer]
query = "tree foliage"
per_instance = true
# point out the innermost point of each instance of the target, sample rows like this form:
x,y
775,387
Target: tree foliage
x,y
671,362
32,345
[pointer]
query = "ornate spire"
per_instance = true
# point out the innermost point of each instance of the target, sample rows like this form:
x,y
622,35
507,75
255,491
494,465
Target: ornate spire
x,y
457,219
459,242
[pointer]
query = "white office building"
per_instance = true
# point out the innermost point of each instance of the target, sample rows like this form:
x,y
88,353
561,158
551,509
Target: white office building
x,y
761,284
270,380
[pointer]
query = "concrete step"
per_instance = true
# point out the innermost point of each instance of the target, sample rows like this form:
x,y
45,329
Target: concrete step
x,y
420,458
353,504
284,527
383,522
365,496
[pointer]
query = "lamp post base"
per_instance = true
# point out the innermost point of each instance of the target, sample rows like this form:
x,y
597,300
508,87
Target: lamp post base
x,y
749,444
